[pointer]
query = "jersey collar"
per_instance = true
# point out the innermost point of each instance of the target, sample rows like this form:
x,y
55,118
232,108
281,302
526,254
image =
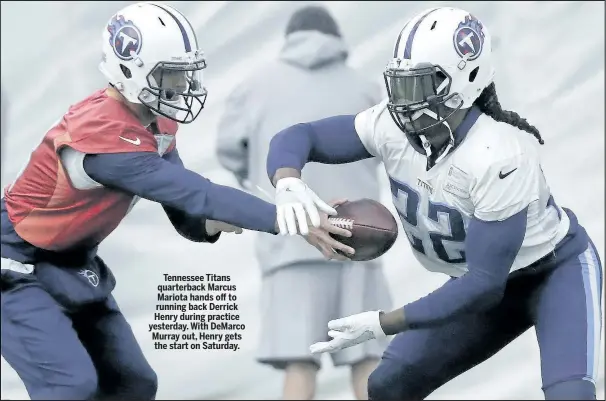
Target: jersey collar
x,y
468,122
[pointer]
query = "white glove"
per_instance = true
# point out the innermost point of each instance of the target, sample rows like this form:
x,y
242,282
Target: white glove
x,y
293,199
349,331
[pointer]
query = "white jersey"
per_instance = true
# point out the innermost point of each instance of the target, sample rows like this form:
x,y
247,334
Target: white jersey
x,y
493,174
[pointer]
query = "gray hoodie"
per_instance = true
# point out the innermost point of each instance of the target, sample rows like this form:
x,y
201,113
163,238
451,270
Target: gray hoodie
x,y
308,82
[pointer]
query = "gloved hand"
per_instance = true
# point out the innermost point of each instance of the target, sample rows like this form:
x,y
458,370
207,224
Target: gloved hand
x,y
295,201
349,331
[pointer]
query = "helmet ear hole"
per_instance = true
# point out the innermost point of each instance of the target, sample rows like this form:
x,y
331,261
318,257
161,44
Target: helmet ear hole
x,y
473,74
126,71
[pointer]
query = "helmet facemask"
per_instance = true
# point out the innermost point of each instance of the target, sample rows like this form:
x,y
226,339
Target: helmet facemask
x,y
418,98
420,90
175,90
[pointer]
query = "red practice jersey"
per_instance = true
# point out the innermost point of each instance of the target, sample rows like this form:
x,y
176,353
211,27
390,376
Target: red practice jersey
x,y
46,209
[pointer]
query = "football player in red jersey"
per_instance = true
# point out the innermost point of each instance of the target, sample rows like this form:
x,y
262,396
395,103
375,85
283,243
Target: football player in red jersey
x,y
61,328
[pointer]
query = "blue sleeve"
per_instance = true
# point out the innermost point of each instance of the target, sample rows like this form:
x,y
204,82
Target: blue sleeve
x,y
333,140
149,176
490,249
190,227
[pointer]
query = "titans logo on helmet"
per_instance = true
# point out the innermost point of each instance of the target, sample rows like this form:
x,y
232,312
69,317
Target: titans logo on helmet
x,y
124,37
468,38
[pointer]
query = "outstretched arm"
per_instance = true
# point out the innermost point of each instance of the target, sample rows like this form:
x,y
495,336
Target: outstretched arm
x,y
333,140
190,227
494,237
149,176
490,248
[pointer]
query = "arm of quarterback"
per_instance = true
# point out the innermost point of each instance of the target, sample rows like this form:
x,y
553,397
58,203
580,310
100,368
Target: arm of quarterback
x,y
149,176
189,227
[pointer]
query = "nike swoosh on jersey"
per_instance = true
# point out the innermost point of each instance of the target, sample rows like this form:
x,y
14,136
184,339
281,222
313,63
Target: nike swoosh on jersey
x,y
135,142
501,175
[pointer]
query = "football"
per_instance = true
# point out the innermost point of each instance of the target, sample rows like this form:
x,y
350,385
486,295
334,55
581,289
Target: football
x,y
374,229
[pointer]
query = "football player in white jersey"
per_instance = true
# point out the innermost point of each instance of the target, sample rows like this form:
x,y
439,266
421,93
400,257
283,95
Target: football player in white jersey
x,y
467,183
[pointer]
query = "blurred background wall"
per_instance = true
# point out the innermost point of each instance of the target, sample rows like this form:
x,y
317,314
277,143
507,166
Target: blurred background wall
x,y
550,69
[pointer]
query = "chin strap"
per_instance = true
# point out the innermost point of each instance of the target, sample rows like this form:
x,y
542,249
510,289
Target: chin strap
x,y
446,150
427,144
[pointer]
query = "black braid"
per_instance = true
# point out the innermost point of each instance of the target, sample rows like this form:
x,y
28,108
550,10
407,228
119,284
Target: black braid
x,y
488,103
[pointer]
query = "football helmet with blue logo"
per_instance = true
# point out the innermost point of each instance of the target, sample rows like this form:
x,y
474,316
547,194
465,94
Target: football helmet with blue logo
x,y
441,64
151,56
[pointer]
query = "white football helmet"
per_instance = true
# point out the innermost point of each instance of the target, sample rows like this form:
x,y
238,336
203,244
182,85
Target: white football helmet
x,y
151,55
441,63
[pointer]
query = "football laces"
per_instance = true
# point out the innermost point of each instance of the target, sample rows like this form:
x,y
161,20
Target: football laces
x,y
340,222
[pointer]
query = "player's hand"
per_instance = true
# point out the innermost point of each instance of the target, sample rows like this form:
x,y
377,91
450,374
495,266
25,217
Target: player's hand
x,y
295,202
349,331
213,227
320,237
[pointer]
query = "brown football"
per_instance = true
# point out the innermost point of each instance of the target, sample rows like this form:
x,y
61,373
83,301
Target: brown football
x,y
374,229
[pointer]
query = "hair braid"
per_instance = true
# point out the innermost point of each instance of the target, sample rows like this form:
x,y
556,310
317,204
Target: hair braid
x,y
488,103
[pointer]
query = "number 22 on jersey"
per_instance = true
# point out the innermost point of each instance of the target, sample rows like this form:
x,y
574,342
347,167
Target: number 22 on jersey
x,y
433,229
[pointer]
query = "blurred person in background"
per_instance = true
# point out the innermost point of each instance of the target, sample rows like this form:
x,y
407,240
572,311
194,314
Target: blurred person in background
x,y
300,290
62,330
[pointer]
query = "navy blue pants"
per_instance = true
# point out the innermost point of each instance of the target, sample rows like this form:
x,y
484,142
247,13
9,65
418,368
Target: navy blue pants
x,y
70,355
560,298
